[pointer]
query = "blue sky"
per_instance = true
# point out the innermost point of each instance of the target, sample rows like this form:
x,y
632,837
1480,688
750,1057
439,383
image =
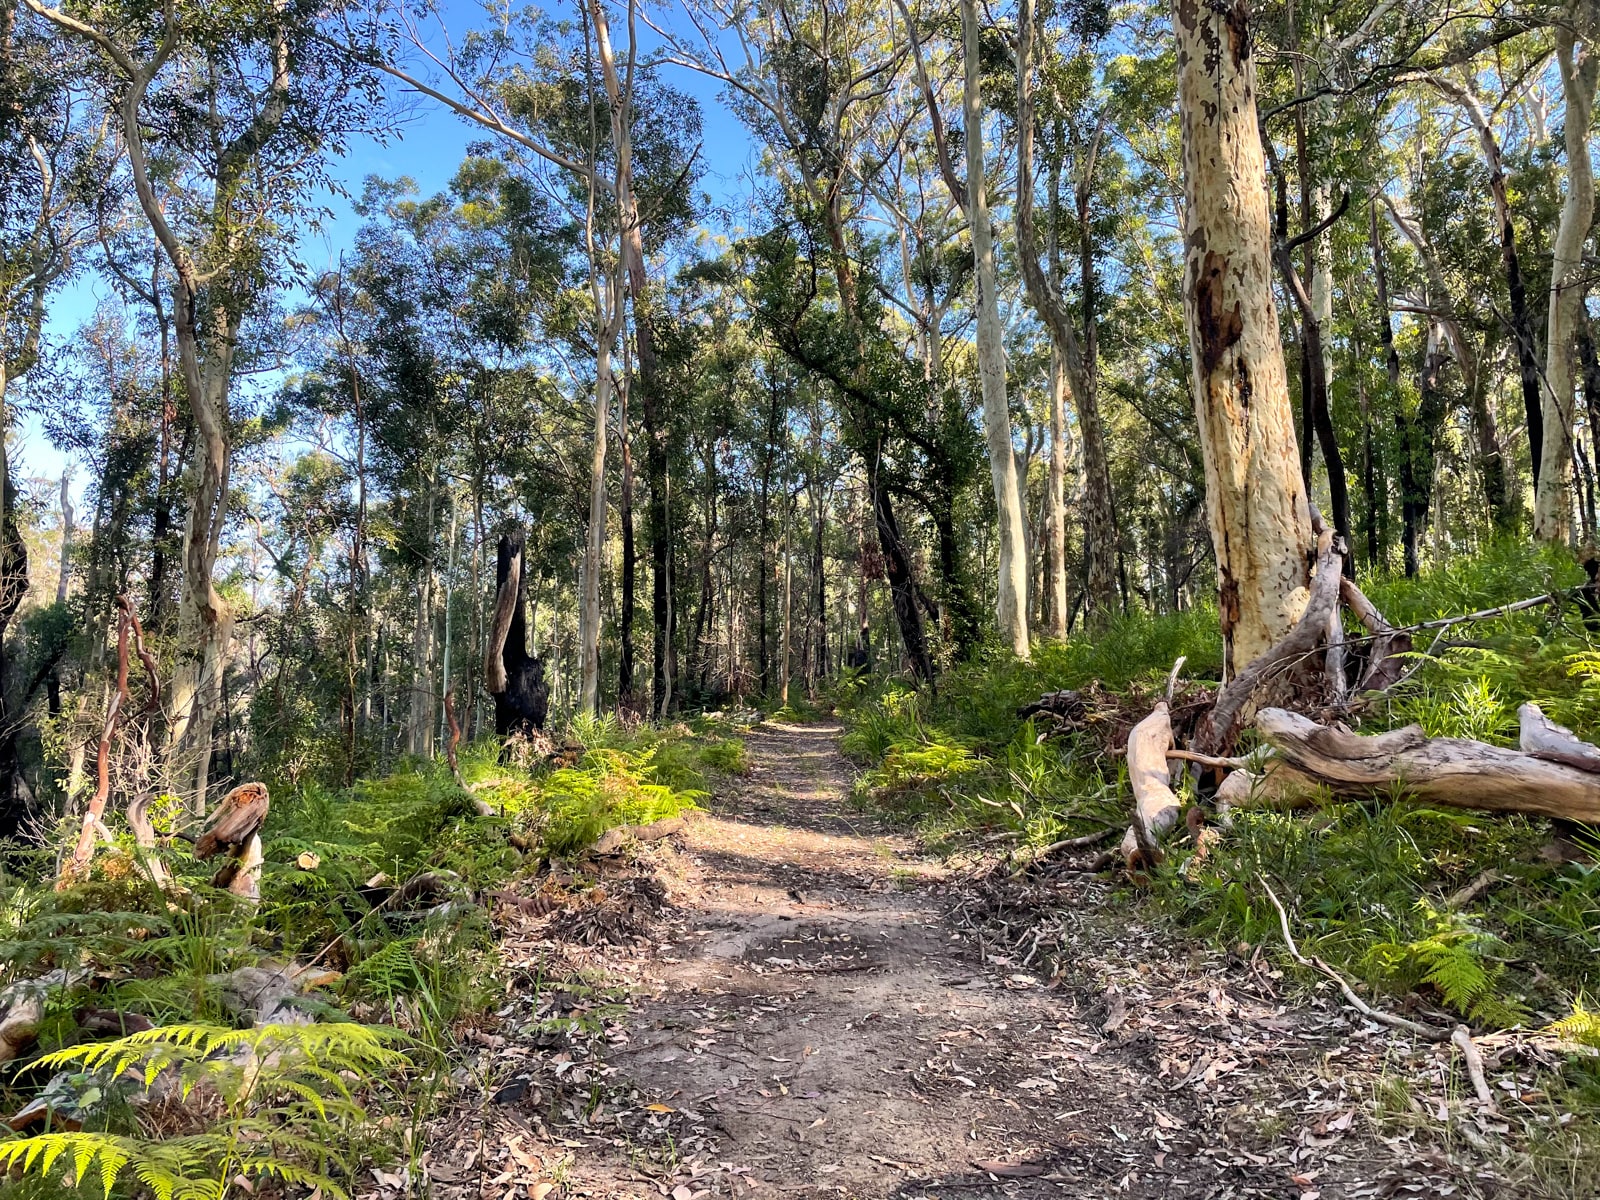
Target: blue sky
x,y
428,148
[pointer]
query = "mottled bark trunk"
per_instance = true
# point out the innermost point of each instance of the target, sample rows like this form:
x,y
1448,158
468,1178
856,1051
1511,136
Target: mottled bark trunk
x,y
1580,71
1011,603
1256,501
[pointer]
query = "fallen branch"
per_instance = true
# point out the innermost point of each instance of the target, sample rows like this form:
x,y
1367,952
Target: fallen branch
x,y
1543,738
1030,858
1220,726
1431,1033
1458,772
1461,1039
1466,895
1156,808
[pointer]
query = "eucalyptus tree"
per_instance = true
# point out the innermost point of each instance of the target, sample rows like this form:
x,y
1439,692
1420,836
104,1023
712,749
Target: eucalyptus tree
x,y
1577,55
226,116
1256,498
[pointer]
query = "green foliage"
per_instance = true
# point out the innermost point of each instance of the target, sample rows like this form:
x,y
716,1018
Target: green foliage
x,y
279,1104
607,788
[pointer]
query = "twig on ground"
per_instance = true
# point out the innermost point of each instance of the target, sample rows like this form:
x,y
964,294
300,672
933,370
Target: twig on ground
x,y
1461,1039
1431,1033
1027,859
1465,896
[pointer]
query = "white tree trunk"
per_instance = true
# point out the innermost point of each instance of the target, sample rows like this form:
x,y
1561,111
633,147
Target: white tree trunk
x,y
1011,606
65,574
594,547
1056,569
788,610
1255,499
1552,512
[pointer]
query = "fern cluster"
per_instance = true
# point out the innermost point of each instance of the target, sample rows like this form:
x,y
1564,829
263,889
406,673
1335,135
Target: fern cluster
x,y
284,1099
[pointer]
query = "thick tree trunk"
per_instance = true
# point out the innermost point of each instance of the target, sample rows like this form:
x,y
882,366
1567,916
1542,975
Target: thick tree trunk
x,y
1011,606
1259,515
205,622
1580,71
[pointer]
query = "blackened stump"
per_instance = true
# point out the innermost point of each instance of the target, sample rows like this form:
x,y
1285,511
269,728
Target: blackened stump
x,y
522,699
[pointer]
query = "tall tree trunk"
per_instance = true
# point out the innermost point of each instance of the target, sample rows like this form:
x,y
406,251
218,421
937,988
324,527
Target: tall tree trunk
x,y
902,584
1079,354
420,715
1580,71
786,596
205,622
1511,264
769,452
1011,607
1419,435
1056,550
1256,501
626,697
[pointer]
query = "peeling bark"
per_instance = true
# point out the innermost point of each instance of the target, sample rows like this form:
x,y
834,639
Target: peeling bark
x,y
1259,515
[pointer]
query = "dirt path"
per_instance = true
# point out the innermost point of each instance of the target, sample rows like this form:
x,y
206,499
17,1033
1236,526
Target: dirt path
x,y
816,1025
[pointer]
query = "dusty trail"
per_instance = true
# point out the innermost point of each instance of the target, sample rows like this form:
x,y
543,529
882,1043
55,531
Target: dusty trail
x,y
813,1025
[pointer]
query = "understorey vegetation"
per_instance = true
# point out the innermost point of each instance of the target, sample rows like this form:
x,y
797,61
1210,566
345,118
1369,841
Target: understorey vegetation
x,y
189,1043
1487,919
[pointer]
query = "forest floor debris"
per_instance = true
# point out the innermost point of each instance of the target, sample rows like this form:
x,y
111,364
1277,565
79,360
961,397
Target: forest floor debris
x,y
823,1011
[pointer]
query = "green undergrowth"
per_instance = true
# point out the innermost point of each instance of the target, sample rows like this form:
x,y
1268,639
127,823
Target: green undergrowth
x,y
1367,885
397,977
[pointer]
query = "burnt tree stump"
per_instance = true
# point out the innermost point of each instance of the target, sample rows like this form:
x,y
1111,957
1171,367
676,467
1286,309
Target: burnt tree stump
x,y
513,677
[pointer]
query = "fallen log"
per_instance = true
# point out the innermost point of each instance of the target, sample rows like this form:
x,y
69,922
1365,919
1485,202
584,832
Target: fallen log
x,y
1543,738
1156,808
1458,772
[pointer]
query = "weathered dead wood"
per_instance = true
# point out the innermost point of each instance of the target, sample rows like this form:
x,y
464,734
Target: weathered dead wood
x,y
22,1006
1458,772
1464,896
618,836
1156,808
1276,784
1385,662
234,829
1543,738
1430,1033
505,608
1219,728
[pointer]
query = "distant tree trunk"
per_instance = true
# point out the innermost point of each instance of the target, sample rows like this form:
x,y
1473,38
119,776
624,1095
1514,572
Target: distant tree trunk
x,y
625,671
787,598
64,574
1056,538
902,584
1079,353
1418,441
1012,599
1580,72
420,716
768,453
1259,515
